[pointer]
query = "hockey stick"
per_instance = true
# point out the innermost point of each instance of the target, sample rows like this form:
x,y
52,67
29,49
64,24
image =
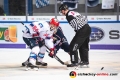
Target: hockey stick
x,y
57,58
24,25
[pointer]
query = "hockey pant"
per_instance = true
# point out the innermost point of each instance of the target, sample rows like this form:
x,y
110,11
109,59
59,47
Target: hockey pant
x,y
38,53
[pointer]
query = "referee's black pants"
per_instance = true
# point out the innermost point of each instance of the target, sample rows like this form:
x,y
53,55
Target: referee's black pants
x,y
80,41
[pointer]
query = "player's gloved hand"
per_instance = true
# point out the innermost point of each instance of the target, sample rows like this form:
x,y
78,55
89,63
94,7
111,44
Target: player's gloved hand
x,y
52,53
35,34
54,38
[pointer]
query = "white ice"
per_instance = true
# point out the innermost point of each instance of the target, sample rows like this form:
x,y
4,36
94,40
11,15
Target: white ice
x,y
11,59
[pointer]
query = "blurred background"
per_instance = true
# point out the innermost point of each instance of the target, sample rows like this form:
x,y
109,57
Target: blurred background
x,y
50,7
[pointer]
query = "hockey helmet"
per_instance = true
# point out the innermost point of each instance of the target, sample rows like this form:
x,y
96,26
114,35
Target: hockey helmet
x,y
54,22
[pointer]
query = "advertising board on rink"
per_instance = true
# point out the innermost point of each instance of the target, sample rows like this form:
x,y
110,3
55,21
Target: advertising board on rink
x,y
60,18
12,18
38,18
63,18
103,35
11,35
102,18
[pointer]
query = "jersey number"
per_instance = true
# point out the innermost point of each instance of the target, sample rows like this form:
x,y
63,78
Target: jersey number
x,y
41,25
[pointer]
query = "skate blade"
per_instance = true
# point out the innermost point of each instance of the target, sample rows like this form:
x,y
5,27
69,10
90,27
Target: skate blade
x,y
84,66
73,68
31,69
40,66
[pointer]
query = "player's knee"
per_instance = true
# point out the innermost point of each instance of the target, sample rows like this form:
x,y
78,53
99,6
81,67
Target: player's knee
x,y
67,51
65,47
36,49
41,43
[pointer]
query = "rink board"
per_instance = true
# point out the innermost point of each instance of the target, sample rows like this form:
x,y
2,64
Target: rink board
x,y
108,36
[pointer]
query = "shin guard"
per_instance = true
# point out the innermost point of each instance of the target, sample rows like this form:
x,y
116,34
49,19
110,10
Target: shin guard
x,y
32,58
40,56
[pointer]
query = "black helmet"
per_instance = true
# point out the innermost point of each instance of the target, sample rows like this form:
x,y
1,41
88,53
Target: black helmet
x,y
63,7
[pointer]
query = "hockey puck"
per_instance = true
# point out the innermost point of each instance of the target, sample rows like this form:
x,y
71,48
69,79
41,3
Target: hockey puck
x,y
102,68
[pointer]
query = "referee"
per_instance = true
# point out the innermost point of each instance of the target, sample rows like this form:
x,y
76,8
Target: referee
x,y
81,39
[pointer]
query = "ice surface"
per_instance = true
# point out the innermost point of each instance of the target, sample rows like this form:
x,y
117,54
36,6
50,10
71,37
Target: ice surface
x,y
11,59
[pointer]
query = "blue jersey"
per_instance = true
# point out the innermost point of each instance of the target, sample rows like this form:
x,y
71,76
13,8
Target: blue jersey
x,y
61,42
60,36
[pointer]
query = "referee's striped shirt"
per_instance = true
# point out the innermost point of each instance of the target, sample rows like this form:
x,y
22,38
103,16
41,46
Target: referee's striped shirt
x,y
76,20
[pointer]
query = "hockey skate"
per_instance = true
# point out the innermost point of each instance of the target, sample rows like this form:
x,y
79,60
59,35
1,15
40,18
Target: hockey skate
x,y
84,64
41,64
25,63
31,67
73,66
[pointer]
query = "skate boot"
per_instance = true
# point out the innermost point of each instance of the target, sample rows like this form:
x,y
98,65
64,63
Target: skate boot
x,y
31,66
84,64
73,66
25,63
41,63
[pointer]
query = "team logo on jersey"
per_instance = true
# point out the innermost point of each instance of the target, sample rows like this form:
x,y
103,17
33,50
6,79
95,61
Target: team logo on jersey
x,y
72,74
96,34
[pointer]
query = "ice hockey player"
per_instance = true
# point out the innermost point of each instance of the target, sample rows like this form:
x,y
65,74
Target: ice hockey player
x,y
60,42
45,31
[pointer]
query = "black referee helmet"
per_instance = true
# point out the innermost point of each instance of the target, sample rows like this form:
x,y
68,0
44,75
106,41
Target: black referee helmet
x,y
63,7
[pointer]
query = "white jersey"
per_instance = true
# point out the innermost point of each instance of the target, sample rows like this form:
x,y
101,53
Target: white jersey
x,y
44,32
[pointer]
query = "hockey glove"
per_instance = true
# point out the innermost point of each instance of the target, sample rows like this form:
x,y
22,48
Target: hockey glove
x,y
35,35
52,53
